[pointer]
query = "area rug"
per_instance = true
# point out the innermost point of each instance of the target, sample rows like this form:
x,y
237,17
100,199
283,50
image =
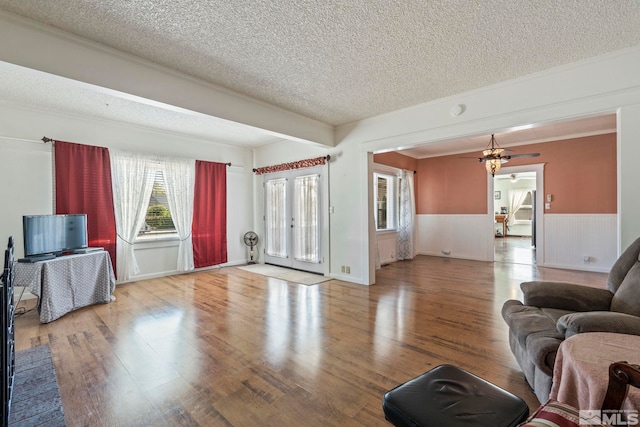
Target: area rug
x,y
288,274
36,399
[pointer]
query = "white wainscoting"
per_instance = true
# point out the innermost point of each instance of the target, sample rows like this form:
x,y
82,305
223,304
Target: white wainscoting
x,y
387,244
568,238
455,236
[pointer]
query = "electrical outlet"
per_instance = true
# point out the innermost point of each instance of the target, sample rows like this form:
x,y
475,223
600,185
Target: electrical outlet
x,y
348,269
343,269
586,259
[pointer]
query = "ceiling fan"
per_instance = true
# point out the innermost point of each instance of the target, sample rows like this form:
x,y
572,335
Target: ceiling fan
x,y
493,156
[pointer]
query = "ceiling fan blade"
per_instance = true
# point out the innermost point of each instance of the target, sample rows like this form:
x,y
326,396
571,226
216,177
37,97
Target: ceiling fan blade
x,y
478,159
515,156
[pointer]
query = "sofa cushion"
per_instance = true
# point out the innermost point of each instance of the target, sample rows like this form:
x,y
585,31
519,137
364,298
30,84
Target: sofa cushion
x,y
621,267
627,297
535,330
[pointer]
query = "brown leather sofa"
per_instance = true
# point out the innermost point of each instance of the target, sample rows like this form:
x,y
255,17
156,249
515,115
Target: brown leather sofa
x,y
553,311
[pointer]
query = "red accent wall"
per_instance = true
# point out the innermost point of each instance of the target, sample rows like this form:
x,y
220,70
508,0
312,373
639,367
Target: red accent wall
x,y
451,185
580,174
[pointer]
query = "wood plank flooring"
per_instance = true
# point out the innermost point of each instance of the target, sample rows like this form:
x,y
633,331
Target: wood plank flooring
x,y
226,347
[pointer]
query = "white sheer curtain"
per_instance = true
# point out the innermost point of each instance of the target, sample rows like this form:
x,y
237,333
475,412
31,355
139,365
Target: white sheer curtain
x,y
516,199
378,264
306,244
179,179
275,193
407,217
132,182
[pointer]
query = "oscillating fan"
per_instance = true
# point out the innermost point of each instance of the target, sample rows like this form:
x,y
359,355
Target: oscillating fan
x,y
251,240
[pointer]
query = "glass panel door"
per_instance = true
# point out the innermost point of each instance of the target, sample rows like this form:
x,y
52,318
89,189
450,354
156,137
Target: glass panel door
x,y
293,219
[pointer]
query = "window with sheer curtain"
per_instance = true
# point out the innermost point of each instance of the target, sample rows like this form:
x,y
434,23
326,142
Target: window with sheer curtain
x,y
134,176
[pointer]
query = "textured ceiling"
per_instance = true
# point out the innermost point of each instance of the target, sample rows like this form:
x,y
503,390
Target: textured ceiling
x,y
341,61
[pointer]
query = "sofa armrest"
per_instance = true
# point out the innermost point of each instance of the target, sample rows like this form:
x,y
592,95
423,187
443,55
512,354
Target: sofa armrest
x,y
566,296
598,321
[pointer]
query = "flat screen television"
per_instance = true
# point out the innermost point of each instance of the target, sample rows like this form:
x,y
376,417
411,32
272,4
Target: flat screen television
x,y
54,234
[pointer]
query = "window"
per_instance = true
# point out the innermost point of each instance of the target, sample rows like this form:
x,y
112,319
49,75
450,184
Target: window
x,y
525,212
158,218
386,201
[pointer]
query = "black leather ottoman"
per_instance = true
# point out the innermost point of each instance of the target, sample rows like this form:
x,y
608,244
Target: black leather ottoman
x,y
449,396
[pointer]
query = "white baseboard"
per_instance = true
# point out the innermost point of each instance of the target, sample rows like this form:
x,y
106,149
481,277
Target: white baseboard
x,y
175,272
347,278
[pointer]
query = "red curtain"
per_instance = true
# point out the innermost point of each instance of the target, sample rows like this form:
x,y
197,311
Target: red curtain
x,y
209,230
83,186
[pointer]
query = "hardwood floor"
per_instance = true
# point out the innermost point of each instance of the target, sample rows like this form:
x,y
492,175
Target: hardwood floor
x,y
227,347
514,249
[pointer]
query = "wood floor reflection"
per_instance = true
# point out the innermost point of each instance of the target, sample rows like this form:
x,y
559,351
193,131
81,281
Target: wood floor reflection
x,y
514,249
227,347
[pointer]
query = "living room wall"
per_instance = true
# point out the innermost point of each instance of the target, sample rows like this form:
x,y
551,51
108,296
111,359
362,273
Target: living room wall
x,y
581,220
26,170
457,185
604,84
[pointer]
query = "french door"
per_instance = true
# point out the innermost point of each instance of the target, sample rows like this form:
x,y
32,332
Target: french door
x,y
293,219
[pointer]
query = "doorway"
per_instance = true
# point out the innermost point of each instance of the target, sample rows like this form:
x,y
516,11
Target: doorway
x,y
518,215
293,219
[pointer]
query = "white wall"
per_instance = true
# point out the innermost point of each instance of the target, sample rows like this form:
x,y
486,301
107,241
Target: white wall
x,y
455,236
628,174
26,168
569,238
27,187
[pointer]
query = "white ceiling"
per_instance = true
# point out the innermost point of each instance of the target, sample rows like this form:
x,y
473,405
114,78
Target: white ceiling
x,y
334,61
529,135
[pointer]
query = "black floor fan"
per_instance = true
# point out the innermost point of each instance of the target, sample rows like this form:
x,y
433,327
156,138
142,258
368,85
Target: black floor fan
x,y
251,240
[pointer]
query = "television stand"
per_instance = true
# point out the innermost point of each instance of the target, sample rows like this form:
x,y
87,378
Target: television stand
x,y
68,282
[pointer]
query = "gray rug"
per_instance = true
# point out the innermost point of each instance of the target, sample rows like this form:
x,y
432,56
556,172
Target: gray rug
x,y
36,399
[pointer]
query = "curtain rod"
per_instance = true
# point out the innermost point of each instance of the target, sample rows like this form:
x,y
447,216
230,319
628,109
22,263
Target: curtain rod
x,y
293,165
21,139
45,140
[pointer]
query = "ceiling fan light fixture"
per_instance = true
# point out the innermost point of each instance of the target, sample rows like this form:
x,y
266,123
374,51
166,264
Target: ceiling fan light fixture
x,y
490,152
493,158
493,166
